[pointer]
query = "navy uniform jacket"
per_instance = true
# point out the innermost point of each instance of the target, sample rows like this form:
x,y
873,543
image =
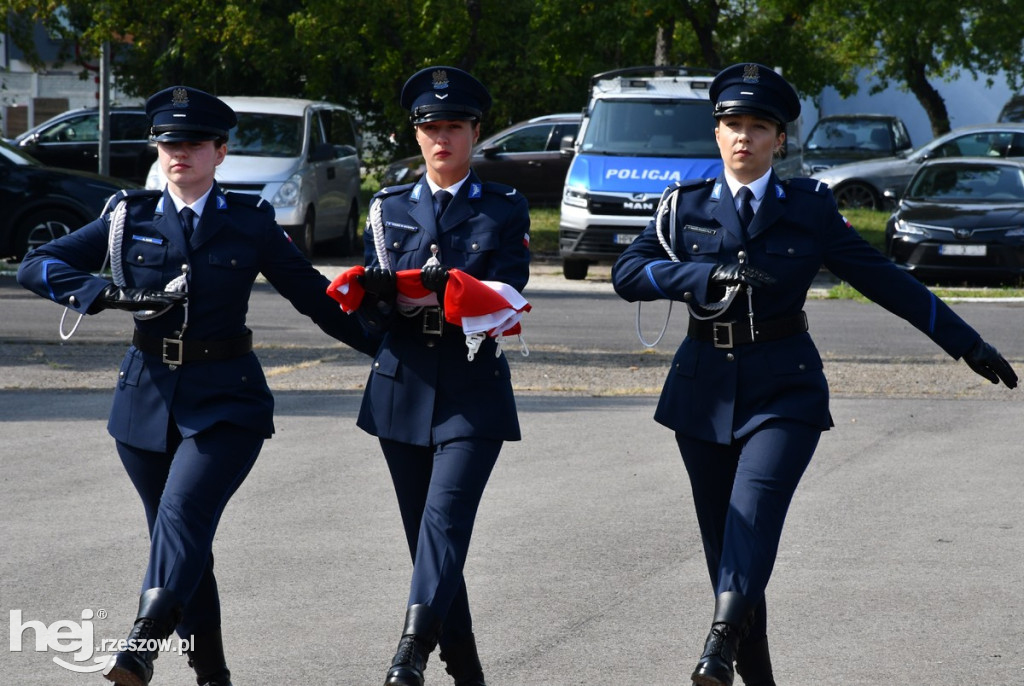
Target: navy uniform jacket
x,y
422,390
716,394
235,240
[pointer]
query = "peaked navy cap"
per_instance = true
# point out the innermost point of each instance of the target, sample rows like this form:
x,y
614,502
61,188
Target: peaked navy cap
x,y
180,113
751,88
444,93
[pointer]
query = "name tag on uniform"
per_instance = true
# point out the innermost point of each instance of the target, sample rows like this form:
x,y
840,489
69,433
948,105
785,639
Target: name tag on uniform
x,y
148,239
700,229
403,227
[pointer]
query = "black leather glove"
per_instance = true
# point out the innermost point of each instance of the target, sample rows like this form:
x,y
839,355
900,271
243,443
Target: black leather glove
x,y
434,278
380,282
134,299
741,274
986,361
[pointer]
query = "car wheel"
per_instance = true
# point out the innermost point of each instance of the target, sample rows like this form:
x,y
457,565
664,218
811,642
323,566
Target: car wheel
x,y
307,239
575,270
39,228
857,196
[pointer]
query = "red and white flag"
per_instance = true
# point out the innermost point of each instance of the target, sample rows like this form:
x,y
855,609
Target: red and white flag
x,y
490,307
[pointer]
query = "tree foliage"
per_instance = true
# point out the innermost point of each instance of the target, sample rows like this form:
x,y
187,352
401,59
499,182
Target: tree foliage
x,y
536,56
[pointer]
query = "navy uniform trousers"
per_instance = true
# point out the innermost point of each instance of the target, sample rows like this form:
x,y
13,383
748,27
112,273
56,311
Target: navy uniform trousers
x,y
189,434
441,419
184,491
748,418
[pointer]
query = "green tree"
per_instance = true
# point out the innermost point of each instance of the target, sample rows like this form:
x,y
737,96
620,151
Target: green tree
x,y
914,45
536,56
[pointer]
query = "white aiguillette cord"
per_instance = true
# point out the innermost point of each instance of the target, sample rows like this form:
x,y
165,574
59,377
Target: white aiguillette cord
x,y
665,220
115,242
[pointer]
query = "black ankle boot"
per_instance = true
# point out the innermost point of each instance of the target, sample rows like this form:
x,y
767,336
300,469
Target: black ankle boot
x,y
462,662
159,613
732,616
754,663
419,638
207,659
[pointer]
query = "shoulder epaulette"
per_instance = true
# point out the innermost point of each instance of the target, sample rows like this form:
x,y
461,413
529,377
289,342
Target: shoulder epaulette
x,y
686,185
128,195
249,200
134,194
806,184
502,189
392,190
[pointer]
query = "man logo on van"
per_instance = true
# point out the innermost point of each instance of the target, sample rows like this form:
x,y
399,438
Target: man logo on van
x,y
628,174
649,206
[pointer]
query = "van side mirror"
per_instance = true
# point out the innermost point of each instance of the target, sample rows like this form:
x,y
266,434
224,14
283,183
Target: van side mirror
x,y
321,152
567,148
491,151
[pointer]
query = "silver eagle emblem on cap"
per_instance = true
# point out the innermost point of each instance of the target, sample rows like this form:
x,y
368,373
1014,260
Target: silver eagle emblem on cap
x,y
440,79
751,74
179,97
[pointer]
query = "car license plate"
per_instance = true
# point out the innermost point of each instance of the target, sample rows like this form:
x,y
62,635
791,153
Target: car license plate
x,y
624,238
963,250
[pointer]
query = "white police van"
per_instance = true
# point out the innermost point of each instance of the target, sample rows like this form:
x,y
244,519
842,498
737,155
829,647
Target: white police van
x,y
644,129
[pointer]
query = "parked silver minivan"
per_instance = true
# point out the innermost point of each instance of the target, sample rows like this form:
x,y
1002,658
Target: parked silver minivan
x,y
302,156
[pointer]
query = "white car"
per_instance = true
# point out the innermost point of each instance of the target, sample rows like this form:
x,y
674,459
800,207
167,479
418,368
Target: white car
x,y
301,156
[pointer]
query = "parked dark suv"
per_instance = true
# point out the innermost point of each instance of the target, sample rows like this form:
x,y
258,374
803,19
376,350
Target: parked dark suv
x,y
843,138
526,155
71,141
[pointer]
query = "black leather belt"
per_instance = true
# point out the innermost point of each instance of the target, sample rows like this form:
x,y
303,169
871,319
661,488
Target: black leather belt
x,y
174,351
428,321
730,334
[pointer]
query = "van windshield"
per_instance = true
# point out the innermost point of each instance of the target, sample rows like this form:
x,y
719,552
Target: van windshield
x,y
651,128
266,135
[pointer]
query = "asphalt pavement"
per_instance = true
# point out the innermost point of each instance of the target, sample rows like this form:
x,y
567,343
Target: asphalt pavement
x,y
902,560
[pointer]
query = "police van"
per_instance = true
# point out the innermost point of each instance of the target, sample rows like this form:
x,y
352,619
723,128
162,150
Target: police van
x,y
644,129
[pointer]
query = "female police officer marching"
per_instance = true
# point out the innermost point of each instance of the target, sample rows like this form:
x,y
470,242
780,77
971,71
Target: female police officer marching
x,y
192,407
440,414
746,395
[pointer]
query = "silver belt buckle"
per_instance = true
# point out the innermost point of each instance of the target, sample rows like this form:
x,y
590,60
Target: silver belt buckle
x,y
173,351
433,321
720,339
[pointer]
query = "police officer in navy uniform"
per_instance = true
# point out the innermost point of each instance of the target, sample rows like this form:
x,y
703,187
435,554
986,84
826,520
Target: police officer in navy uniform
x,y
191,408
746,395
440,417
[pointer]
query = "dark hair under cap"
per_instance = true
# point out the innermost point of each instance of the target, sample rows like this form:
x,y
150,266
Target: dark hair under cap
x,y
751,88
180,113
444,93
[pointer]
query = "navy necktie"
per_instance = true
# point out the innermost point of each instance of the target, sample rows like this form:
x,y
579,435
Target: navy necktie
x,y
441,198
188,221
746,210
